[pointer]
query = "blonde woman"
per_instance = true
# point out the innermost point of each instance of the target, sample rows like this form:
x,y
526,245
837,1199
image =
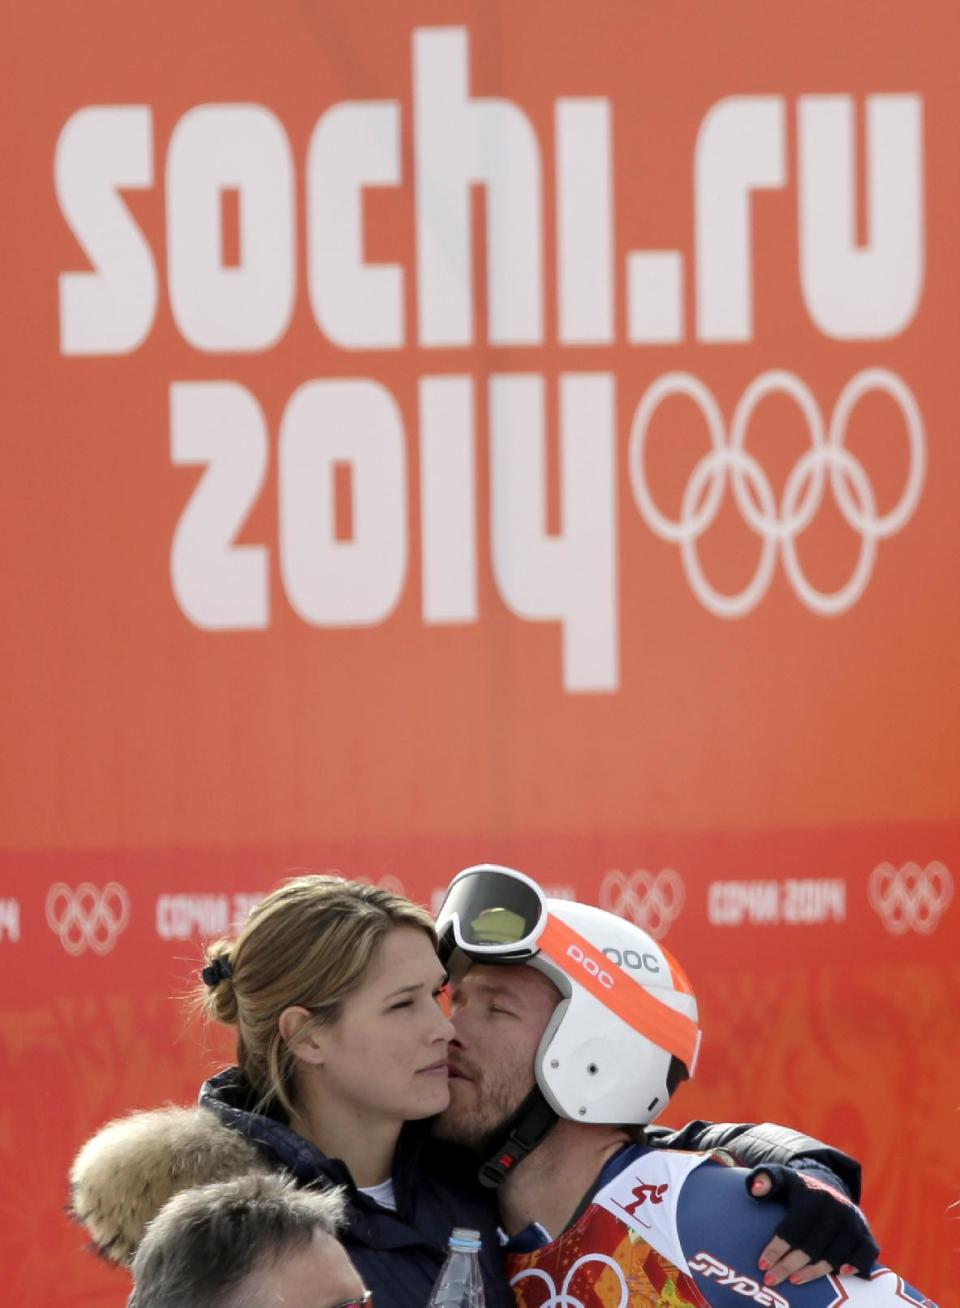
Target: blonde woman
x,y
333,987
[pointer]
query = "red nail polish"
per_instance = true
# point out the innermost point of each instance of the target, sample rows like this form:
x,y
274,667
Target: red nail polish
x,y
763,1264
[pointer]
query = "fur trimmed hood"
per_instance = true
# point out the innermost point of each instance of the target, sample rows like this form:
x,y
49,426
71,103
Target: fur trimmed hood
x,y
124,1174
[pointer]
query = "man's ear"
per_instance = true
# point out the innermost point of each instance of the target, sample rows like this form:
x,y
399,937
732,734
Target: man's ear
x,y
303,1035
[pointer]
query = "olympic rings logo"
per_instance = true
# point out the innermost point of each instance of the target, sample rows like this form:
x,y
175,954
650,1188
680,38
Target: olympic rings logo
x,y
778,526
910,898
652,902
87,918
562,1298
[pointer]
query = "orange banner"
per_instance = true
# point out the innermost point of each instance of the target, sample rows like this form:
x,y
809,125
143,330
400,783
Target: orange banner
x,y
440,432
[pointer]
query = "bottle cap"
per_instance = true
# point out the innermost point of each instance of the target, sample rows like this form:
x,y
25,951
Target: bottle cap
x,y
462,1239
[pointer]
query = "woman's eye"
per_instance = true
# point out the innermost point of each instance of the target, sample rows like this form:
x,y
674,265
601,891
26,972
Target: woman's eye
x,y
404,1003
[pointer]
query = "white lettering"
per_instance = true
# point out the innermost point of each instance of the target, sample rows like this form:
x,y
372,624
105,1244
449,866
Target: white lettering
x,y
713,1269
584,222
810,901
353,146
218,584
570,577
741,147
10,919
178,917
856,292
343,582
101,150
590,966
215,149
448,497
797,901
731,903
344,503
460,142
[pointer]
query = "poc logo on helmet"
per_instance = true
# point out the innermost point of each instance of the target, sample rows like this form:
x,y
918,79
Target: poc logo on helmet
x,y
590,966
630,958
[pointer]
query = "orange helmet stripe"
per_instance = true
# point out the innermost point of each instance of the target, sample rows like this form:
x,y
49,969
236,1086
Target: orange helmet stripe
x,y
680,981
618,991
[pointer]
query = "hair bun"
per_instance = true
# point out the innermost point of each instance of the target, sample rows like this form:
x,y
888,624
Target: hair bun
x,y
217,970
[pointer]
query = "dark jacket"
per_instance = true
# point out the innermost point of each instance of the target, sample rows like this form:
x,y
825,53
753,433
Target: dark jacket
x,y
398,1255
127,1171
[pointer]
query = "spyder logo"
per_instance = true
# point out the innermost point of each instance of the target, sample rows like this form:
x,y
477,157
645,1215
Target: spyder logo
x,y
711,1267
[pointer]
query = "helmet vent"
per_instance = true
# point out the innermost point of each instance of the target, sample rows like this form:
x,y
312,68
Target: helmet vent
x,y
653,1103
592,1069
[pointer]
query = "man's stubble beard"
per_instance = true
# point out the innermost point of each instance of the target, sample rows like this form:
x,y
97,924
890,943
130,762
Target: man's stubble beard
x,y
483,1125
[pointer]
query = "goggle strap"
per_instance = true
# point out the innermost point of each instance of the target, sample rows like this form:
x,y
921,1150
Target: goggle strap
x,y
628,999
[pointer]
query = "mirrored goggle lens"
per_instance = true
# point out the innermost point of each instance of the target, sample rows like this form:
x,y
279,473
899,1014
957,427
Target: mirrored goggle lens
x,y
495,911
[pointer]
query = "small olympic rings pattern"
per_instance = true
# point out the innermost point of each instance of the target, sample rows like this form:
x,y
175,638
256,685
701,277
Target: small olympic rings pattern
x,y
910,898
87,917
651,901
778,526
562,1298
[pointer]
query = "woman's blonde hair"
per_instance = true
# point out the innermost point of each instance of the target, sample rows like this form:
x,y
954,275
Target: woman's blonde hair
x,y
308,943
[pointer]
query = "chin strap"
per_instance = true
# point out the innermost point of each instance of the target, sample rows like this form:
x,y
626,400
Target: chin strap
x,y
529,1126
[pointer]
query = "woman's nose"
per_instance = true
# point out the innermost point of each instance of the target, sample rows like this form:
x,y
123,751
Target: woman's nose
x,y
445,1028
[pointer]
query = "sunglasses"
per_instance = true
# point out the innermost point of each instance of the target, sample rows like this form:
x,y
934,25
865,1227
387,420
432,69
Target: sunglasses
x,y
365,1301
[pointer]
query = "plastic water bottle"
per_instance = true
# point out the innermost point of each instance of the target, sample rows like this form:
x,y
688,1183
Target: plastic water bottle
x,y
460,1284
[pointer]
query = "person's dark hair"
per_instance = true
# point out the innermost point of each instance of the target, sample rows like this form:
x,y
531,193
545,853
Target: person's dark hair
x,y
204,1242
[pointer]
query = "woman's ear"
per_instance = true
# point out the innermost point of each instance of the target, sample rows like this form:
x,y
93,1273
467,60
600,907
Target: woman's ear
x,y
302,1034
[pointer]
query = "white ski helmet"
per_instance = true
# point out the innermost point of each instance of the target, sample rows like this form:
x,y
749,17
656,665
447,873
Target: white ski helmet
x,y
625,1032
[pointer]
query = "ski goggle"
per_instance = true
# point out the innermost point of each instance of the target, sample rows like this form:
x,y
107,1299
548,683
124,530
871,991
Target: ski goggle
x,y
493,914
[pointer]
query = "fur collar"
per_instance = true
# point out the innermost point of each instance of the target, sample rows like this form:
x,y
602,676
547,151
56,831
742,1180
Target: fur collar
x,y
124,1174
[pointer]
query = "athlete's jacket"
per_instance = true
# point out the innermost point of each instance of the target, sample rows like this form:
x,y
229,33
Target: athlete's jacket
x,y
675,1230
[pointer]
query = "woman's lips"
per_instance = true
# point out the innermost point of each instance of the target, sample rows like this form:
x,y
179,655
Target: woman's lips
x,y
435,1069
